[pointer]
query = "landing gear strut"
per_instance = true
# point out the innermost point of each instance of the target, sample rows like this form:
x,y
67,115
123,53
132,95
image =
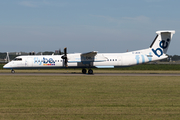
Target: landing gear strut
x,y
90,71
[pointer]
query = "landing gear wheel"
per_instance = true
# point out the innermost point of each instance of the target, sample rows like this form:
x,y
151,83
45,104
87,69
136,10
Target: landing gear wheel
x,y
84,71
12,71
90,71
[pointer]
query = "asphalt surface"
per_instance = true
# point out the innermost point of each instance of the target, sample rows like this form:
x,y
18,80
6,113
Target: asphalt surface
x,y
96,74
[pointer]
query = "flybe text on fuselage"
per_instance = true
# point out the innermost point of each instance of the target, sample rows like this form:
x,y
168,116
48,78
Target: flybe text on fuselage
x,y
44,61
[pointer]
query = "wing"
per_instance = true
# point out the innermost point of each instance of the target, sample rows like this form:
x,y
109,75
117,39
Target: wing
x,y
87,58
89,54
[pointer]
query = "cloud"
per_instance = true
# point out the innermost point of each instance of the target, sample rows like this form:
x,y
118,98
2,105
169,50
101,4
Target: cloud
x,y
28,4
108,18
143,19
154,0
41,3
137,19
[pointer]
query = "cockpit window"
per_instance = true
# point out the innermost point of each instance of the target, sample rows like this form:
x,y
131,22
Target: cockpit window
x,y
18,59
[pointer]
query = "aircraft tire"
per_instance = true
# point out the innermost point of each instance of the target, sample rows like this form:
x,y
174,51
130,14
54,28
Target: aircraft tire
x,y
12,71
84,71
90,71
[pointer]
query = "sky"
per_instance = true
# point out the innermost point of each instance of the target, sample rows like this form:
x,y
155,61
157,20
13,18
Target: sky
x,y
105,26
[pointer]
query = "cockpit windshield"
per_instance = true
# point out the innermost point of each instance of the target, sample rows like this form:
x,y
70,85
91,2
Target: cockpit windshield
x,y
17,59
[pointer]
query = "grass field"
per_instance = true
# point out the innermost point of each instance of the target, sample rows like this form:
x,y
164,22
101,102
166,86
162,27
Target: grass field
x,y
89,97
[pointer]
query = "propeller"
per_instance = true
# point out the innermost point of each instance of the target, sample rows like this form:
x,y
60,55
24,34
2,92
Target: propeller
x,y
64,57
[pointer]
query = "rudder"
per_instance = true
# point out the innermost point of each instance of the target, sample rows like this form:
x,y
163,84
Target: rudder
x,y
161,42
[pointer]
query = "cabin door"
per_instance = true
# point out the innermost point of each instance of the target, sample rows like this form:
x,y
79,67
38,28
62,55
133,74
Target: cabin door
x,y
119,60
28,62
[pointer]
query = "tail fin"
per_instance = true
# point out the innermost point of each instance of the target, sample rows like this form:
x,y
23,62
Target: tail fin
x,y
161,42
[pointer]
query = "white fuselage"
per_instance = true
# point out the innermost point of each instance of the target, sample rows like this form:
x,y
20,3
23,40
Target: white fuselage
x,y
157,51
101,60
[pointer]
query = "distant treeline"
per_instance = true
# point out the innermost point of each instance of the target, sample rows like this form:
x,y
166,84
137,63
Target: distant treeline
x,y
174,57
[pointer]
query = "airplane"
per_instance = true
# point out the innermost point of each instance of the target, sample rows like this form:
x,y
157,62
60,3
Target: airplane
x,y
89,60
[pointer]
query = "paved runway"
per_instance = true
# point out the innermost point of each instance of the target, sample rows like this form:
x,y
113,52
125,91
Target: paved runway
x,y
96,74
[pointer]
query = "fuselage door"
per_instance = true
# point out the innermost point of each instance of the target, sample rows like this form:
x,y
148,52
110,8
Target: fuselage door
x,y
119,60
28,62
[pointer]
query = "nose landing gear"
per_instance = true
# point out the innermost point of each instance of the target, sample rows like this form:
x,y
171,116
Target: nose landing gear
x,y
12,71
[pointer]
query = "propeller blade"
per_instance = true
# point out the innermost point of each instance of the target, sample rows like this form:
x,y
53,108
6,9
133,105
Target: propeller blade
x,y
65,57
65,51
66,62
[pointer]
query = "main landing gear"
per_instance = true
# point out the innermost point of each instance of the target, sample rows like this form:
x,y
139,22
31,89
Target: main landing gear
x,y
90,71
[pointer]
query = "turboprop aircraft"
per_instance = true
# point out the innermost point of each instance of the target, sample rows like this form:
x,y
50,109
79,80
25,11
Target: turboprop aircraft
x,y
156,51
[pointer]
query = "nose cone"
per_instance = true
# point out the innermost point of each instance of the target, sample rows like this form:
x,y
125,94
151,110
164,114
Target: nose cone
x,y
6,66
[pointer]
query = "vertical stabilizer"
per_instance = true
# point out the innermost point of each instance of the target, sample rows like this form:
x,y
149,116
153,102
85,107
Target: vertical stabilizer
x,y
161,42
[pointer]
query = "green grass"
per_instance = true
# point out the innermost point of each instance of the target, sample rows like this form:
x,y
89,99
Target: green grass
x,y
89,97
